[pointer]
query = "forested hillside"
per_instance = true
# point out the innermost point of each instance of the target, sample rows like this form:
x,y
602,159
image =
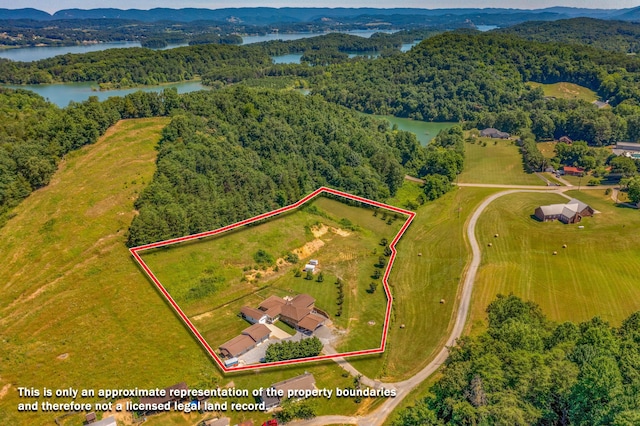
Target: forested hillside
x,y
526,370
133,66
238,152
35,134
481,78
616,36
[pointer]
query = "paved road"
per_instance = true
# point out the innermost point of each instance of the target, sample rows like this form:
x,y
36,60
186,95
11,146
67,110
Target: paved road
x,y
403,388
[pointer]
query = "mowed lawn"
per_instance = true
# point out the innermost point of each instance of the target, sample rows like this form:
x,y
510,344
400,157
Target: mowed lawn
x,y
596,275
418,282
75,309
499,162
565,90
342,252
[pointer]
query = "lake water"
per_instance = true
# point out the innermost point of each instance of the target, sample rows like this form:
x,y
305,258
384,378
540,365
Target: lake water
x,y
28,54
424,130
62,94
486,27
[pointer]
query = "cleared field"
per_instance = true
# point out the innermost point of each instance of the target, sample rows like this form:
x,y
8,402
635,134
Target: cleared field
x,y
548,149
595,275
566,91
76,311
344,239
419,282
499,162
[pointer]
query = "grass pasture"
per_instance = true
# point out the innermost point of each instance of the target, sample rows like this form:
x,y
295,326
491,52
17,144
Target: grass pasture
x,y
319,230
595,275
419,282
565,90
498,162
75,309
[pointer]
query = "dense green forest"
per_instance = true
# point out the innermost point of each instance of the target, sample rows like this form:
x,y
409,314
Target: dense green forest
x,y
481,79
616,36
232,154
35,135
527,370
133,66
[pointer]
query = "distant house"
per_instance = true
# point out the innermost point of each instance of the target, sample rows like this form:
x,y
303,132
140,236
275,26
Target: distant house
x,y
600,104
223,421
566,139
629,149
571,212
303,382
107,421
490,132
573,171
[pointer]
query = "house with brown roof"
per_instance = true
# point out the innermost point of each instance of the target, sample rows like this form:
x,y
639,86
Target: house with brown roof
x,y
571,212
311,322
237,346
258,332
272,307
247,340
254,316
296,309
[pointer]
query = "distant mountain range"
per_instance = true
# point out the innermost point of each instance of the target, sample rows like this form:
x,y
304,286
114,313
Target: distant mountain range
x,y
268,15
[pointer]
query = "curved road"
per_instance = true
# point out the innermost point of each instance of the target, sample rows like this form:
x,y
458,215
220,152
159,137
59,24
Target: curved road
x,y
403,388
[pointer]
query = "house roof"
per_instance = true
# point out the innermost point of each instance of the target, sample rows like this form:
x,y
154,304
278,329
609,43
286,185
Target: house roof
x,y
311,322
251,312
272,302
238,345
303,382
296,313
257,332
108,421
303,301
568,210
223,421
573,169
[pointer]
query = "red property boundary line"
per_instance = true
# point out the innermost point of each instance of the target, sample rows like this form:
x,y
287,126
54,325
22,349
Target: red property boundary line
x,y
135,252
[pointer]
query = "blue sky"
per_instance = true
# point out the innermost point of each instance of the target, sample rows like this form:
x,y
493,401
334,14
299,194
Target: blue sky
x,y
52,6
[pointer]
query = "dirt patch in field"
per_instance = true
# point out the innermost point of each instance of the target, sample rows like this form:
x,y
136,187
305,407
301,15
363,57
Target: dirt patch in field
x,y
309,248
5,390
319,231
340,232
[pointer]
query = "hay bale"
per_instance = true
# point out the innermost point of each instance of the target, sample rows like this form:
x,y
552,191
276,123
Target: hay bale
x,y
555,252
496,236
564,246
442,301
419,254
490,245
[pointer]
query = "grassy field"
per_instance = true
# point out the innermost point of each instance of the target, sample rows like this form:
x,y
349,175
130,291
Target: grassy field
x,y
76,311
498,162
313,232
419,282
566,91
548,149
595,275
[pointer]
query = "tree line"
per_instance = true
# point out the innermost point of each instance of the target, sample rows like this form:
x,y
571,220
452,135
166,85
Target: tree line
x,y
232,154
36,134
528,370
